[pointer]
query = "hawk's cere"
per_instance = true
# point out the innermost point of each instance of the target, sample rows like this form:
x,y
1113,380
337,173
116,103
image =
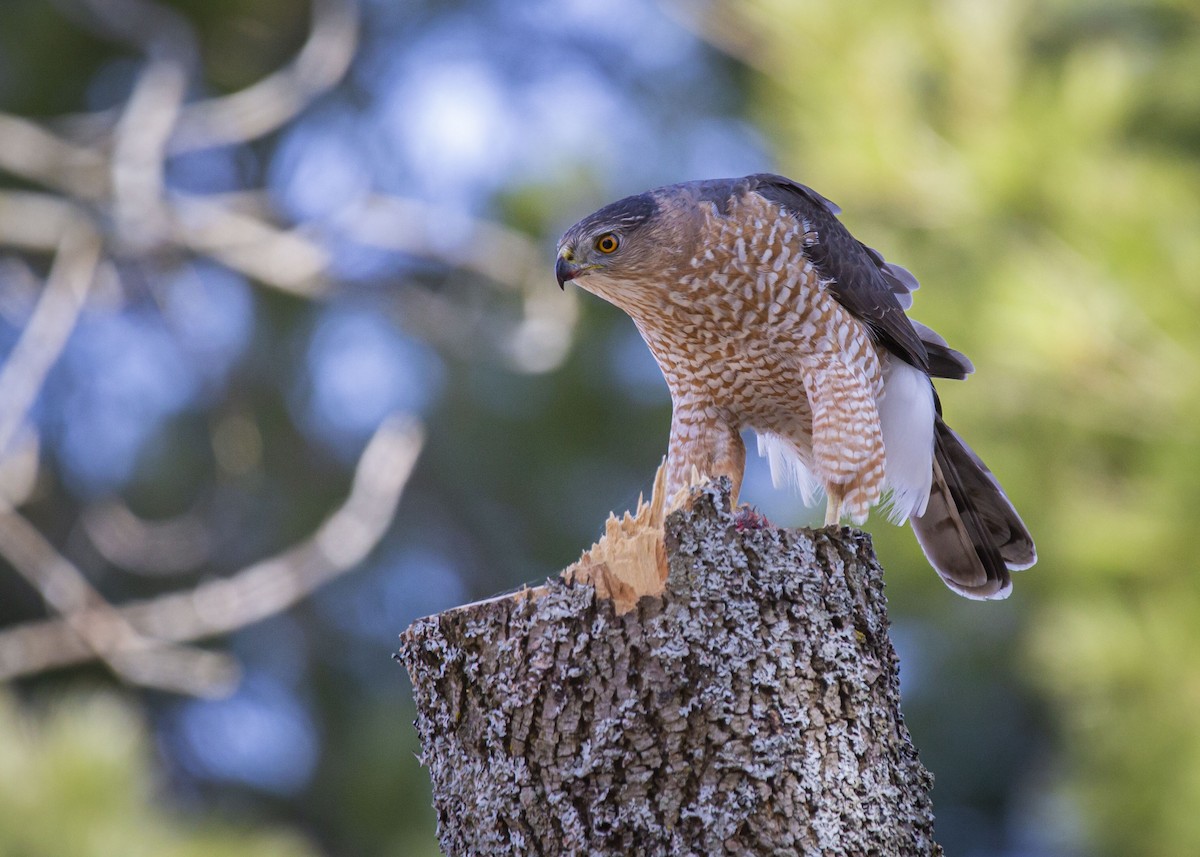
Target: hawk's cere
x,y
763,312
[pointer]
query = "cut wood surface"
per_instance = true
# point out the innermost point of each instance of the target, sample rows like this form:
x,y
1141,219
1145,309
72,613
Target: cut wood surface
x,y
750,707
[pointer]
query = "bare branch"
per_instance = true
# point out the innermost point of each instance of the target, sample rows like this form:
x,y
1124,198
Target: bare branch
x,y
157,548
259,591
46,333
107,174
30,151
497,253
139,153
155,122
277,99
35,221
99,629
286,260
502,255
19,467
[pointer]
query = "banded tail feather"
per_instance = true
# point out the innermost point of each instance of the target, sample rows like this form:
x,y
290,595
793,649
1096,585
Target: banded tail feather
x,y
970,532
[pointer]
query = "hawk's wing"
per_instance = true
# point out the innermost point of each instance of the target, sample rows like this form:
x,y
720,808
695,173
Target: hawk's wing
x,y
859,277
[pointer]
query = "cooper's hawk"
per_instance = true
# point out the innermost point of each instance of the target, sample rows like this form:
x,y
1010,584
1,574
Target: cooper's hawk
x,y
763,312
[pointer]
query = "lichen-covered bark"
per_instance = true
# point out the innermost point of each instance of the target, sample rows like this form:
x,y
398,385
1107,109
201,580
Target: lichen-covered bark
x,y
753,709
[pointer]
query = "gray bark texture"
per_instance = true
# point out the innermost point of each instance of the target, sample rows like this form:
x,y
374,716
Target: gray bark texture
x,y
753,708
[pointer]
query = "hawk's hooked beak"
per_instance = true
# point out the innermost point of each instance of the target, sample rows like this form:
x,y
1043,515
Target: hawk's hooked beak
x,y
565,269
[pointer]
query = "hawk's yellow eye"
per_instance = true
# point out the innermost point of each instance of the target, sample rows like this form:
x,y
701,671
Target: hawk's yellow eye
x,y
607,243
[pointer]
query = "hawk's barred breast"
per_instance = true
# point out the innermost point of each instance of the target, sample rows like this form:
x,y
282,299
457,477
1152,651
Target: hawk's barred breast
x,y
750,328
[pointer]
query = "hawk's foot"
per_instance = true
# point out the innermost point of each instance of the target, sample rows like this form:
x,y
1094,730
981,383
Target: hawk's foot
x,y
749,518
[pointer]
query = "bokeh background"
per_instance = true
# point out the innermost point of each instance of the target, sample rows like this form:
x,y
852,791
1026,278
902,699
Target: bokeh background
x,y
257,257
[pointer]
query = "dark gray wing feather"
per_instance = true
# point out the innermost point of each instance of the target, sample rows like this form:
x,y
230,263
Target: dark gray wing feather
x,y
901,280
857,274
944,361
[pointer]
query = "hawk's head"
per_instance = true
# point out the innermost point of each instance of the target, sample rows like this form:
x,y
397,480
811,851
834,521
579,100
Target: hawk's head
x,y
617,244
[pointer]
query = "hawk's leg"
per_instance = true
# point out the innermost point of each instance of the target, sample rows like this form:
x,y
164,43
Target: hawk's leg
x,y
847,442
703,441
834,496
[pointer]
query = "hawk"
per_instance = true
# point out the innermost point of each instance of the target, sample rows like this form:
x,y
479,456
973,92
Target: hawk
x,y
765,313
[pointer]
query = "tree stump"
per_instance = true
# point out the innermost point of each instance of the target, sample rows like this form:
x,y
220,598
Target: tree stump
x,y
752,707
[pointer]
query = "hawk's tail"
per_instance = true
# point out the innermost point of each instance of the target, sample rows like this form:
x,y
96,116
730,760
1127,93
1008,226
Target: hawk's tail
x,y
970,532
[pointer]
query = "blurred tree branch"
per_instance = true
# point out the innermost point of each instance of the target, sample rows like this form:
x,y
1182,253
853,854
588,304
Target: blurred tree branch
x,y
275,100
160,547
214,607
46,332
104,202
99,629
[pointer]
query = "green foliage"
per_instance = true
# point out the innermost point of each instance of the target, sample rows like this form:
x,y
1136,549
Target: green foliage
x,y
1045,159
78,779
